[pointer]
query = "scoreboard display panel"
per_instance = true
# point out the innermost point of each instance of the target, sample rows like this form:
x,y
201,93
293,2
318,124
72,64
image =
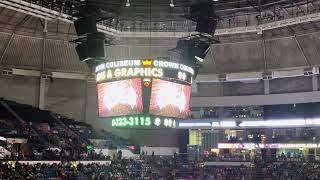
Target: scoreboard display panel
x,y
169,99
120,98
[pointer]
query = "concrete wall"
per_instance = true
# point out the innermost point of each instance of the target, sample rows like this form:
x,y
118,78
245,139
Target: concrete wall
x,y
22,89
63,96
293,84
91,115
240,88
66,97
208,89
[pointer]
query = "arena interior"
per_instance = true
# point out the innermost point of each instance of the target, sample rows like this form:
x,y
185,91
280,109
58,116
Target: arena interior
x,y
159,89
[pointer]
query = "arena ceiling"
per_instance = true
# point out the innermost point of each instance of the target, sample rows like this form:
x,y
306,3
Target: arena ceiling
x,y
29,41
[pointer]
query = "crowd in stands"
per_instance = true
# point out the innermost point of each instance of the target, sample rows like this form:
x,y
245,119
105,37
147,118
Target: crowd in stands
x,y
53,137
225,173
123,169
287,170
50,136
227,157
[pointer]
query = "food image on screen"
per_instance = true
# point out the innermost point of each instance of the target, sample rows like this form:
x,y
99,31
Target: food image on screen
x,y
170,99
120,98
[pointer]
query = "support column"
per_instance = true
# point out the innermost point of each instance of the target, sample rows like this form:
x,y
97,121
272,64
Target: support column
x,y
266,87
221,112
42,81
85,102
194,87
91,103
42,91
315,83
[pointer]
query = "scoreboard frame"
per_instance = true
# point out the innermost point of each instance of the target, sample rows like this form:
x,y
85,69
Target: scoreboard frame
x,y
146,70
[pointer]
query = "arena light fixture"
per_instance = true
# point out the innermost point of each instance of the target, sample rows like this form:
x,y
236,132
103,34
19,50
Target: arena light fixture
x,y
215,124
251,123
171,4
128,3
197,124
228,124
199,59
285,123
313,122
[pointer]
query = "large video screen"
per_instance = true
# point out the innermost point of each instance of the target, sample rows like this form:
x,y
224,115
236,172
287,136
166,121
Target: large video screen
x,y
120,98
169,99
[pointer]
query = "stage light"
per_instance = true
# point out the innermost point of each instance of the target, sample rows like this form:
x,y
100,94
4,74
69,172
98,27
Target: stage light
x,y
128,3
171,4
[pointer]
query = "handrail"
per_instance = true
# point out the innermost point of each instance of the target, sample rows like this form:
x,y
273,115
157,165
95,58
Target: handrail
x,y
67,128
5,105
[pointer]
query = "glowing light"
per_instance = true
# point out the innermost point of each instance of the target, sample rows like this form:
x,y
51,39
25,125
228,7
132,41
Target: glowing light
x,y
101,76
120,93
251,146
147,63
228,124
313,122
252,123
199,59
171,94
276,123
131,121
157,121
169,99
128,3
285,123
143,68
120,98
171,4
199,124
141,121
215,124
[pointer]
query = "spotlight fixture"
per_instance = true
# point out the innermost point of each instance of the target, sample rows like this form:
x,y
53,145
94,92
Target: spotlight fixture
x,y
171,4
199,59
128,3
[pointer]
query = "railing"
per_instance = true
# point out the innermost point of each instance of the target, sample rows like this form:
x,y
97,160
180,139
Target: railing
x,y
68,129
5,105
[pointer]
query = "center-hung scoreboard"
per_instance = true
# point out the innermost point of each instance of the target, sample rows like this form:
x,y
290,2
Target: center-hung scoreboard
x,y
143,93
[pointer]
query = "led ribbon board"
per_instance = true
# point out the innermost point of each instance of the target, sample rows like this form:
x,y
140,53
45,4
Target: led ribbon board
x,y
116,70
142,121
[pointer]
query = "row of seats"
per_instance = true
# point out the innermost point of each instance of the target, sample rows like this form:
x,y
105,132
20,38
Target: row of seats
x,y
49,135
123,169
